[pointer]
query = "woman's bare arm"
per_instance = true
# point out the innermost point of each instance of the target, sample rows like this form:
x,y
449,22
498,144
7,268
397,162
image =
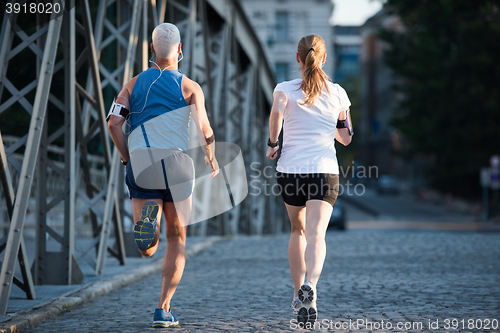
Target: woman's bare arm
x,y
276,121
342,135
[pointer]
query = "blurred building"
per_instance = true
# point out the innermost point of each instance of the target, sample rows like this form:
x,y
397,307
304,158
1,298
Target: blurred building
x,y
280,24
378,101
346,48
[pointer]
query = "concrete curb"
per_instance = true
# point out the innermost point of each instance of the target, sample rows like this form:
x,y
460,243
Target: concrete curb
x,y
64,303
424,225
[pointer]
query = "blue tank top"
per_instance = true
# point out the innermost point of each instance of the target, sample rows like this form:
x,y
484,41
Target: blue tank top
x,y
165,95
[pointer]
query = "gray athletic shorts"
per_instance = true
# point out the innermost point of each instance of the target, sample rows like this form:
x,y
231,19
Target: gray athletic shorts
x,y
171,179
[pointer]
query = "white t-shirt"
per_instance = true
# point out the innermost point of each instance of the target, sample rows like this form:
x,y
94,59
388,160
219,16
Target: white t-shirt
x,y
309,132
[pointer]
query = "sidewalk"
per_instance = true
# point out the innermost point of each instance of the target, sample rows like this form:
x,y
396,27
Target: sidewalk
x,y
54,299
372,280
369,209
403,207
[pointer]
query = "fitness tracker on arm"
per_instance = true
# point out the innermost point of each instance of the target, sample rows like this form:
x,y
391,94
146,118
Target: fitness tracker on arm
x,y
346,123
118,110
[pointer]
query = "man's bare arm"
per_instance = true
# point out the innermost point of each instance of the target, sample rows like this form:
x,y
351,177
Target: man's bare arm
x,y
195,97
115,123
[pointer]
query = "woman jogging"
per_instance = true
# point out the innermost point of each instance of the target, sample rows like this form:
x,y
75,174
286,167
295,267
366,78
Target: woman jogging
x,y
315,113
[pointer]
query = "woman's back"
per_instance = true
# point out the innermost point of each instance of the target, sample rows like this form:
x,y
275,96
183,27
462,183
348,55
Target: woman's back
x,y
309,131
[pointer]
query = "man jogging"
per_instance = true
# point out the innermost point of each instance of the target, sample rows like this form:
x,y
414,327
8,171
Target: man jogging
x,y
157,105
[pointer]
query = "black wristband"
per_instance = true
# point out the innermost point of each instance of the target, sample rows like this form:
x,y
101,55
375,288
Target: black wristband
x,y
123,162
341,124
210,139
272,145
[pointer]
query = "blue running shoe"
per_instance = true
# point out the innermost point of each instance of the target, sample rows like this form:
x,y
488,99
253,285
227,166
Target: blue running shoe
x,y
144,229
162,318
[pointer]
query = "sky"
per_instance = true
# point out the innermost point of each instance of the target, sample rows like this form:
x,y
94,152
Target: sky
x,y
354,12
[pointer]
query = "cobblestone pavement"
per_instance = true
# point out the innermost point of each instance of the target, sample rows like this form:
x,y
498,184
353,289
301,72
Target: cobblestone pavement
x,y
377,278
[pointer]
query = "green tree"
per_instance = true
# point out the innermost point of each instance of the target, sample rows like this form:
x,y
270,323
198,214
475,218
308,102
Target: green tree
x,y
350,153
446,58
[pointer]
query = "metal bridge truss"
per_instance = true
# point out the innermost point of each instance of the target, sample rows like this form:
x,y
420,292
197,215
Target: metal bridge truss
x,y
75,65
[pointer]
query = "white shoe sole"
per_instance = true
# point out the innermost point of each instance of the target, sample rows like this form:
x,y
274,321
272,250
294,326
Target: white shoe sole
x,y
308,312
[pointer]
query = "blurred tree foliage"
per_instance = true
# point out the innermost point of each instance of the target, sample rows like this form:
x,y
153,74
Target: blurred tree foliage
x,y
350,153
447,60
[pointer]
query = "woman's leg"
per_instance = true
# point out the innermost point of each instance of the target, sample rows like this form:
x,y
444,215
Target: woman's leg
x,y
318,214
297,245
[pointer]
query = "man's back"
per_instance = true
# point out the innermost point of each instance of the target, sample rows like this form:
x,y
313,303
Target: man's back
x,y
158,103
155,93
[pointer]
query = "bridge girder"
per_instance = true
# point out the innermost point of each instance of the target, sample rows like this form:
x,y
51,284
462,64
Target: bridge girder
x,y
221,52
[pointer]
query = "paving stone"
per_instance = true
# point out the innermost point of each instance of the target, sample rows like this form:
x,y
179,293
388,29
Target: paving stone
x,y
372,276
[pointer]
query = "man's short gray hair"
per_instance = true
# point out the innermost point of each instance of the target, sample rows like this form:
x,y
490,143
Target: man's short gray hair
x,y
166,39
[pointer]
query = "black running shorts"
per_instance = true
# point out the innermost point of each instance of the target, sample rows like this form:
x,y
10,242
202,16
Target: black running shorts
x,y
297,189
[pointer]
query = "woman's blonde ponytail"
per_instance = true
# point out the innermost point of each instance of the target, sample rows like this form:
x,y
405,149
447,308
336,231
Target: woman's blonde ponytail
x,y
311,49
